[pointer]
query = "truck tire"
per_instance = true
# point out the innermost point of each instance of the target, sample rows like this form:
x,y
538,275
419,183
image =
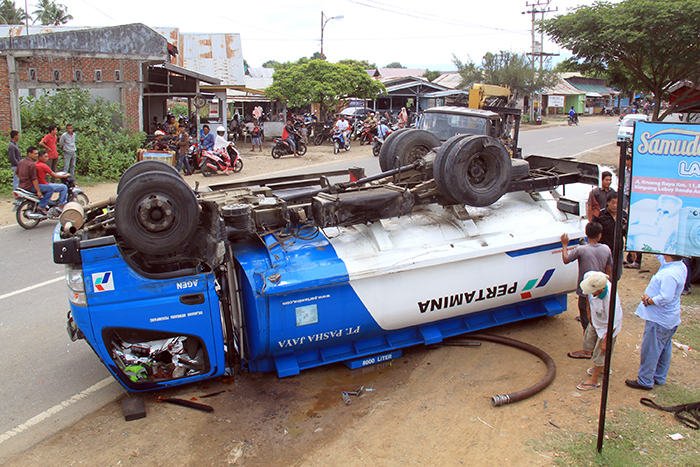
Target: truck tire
x,y
156,213
149,165
439,164
385,161
519,168
477,172
410,146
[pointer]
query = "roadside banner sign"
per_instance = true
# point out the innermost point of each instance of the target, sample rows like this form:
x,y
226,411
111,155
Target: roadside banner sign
x,y
664,212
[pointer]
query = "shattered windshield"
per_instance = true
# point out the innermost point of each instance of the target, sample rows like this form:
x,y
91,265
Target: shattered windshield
x,y
445,126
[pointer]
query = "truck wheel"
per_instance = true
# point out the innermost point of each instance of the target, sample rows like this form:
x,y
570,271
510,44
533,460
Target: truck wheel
x,y
301,149
413,145
519,168
477,173
156,213
385,154
149,165
439,164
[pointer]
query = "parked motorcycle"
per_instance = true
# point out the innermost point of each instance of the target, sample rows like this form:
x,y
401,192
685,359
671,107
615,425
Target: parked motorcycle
x,y
228,160
26,204
572,120
612,111
339,142
322,134
281,147
366,134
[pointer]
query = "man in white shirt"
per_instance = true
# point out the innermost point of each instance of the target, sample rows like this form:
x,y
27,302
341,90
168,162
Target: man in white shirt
x,y
596,285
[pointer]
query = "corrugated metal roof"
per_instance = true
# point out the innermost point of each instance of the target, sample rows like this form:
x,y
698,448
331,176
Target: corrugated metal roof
x,y
562,88
590,88
217,55
450,80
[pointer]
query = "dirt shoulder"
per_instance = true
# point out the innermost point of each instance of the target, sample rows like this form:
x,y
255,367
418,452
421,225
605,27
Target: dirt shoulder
x,y
429,407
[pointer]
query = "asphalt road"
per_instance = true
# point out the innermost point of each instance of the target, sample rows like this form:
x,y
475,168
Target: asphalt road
x,y
50,382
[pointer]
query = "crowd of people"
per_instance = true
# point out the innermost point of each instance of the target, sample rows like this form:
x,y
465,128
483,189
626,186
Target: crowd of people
x,y
33,172
659,305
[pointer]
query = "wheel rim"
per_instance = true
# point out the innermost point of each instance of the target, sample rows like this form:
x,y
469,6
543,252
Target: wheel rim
x,y
155,213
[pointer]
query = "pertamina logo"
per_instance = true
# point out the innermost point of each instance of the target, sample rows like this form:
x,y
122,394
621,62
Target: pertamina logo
x,y
103,281
540,282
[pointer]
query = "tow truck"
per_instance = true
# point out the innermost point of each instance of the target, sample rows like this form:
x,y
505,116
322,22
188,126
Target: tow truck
x,y
171,285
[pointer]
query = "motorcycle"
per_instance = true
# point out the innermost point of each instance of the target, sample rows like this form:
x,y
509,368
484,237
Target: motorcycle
x,y
322,134
340,142
572,120
612,111
26,204
193,156
366,134
228,160
281,147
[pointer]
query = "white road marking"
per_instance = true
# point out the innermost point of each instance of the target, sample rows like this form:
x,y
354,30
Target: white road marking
x,y
593,149
591,132
31,287
7,226
55,409
555,139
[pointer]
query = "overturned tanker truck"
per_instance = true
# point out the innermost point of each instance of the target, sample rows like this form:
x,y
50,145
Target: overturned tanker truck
x,y
171,285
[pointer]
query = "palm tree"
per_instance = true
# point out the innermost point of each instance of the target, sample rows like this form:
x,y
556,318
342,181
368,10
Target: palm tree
x,y
11,15
50,13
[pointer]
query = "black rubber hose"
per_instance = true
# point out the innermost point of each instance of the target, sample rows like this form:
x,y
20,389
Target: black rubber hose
x,y
500,400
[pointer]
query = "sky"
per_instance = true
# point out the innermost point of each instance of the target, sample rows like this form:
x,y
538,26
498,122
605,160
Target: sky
x,y
416,33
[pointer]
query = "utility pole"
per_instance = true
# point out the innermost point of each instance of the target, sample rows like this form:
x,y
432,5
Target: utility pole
x,y
539,7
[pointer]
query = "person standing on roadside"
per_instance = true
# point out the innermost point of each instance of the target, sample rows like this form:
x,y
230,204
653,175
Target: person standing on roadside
x,y
661,309
593,256
15,155
49,142
67,142
597,286
598,198
183,147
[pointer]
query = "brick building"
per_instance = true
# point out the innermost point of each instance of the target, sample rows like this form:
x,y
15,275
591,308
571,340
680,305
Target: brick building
x,y
128,64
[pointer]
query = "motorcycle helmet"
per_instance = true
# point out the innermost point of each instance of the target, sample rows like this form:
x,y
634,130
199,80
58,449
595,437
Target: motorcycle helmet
x,y
221,129
159,133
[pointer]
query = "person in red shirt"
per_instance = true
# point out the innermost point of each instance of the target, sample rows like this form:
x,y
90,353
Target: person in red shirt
x,y
42,170
48,142
28,180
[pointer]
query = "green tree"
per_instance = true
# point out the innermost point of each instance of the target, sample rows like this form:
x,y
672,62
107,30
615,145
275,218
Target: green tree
x,y
431,75
105,148
11,15
506,69
642,44
364,64
50,13
317,56
270,64
394,65
325,83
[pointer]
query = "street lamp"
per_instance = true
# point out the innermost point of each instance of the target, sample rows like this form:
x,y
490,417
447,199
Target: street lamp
x,y
325,20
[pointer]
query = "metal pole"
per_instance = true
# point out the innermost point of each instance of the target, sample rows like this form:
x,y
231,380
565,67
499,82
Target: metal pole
x,y
617,250
322,26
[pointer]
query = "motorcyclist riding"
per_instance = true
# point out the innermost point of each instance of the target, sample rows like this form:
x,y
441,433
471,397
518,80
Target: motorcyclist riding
x,y
290,134
573,115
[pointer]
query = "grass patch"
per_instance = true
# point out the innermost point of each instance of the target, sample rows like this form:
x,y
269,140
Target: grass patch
x,y
636,437
689,331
